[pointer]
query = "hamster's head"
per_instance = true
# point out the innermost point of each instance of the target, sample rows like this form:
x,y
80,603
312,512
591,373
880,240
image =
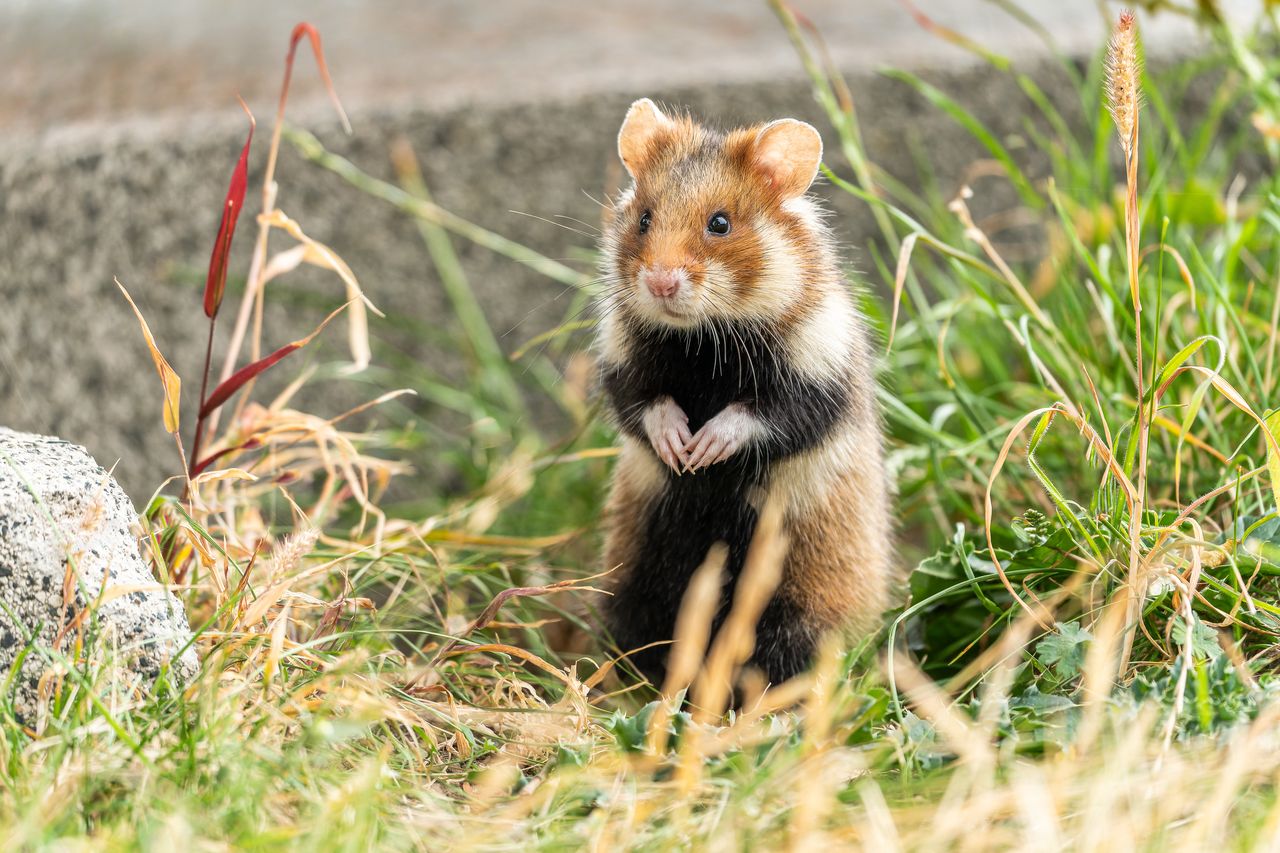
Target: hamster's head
x,y
715,226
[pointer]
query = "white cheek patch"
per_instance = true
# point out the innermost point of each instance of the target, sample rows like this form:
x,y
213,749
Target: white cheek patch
x,y
782,281
718,294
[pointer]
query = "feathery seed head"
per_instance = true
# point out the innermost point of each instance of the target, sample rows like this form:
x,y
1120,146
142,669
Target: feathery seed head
x,y
1123,69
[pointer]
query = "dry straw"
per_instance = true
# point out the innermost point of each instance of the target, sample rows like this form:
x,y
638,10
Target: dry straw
x,y
1124,70
281,615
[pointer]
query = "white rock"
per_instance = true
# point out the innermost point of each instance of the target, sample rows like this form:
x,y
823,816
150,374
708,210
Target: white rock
x,y
65,524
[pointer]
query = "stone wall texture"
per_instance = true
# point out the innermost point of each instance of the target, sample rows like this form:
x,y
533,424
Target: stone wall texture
x,y
118,143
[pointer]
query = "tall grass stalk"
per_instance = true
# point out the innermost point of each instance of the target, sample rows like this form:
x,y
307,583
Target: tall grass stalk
x,y
1124,101
1086,660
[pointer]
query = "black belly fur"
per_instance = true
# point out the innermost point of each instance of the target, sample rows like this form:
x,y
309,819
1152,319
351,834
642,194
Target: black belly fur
x,y
704,374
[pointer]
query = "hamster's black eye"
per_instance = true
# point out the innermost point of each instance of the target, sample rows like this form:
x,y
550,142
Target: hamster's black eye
x,y
645,220
718,224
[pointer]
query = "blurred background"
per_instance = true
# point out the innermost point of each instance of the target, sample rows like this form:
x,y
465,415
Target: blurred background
x,y
119,127
69,63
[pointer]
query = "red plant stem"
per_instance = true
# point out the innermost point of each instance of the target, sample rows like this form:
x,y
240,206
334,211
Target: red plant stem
x,y
251,302
199,467
204,388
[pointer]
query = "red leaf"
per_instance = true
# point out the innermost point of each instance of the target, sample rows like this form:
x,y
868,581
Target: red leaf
x,y
251,444
305,29
237,380
216,284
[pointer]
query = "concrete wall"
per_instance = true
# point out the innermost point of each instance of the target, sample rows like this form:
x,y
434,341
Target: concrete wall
x,y
126,181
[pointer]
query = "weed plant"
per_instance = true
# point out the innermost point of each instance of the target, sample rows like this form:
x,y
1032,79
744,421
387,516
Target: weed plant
x,y
1087,460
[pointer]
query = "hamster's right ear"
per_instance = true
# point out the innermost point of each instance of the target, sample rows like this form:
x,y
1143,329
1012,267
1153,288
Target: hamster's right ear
x,y
788,153
641,129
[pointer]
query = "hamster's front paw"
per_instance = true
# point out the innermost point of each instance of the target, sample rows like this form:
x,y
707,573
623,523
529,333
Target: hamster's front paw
x,y
667,427
722,436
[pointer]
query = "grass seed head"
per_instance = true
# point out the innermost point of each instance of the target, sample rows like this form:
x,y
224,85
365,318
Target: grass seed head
x,y
1124,66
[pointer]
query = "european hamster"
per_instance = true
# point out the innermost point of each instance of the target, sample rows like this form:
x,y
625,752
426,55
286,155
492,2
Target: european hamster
x,y
736,364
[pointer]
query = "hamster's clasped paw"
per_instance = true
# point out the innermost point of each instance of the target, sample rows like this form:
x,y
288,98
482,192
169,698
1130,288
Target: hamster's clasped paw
x,y
722,436
667,427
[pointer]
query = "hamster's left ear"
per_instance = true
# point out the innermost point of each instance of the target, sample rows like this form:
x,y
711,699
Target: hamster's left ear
x,y
787,155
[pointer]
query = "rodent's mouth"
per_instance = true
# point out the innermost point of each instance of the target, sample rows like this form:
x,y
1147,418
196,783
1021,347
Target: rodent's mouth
x,y
676,310
673,306
678,313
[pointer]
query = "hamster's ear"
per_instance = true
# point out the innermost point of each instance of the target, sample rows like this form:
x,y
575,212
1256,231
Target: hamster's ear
x,y
787,155
640,129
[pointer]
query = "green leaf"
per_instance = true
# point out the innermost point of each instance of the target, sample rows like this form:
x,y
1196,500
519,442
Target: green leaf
x,y
979,131
1273,458
631,731
1064,649
1204,642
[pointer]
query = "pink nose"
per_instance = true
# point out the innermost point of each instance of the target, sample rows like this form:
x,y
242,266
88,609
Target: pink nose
x,y
663,283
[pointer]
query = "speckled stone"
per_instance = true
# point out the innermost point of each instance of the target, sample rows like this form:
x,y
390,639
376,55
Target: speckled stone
x,y
64,518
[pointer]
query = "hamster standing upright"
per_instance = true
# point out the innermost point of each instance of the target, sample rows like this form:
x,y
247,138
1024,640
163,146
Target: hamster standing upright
x,y
736,365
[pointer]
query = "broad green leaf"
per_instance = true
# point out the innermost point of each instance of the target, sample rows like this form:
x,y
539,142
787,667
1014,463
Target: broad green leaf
x,y
1064,649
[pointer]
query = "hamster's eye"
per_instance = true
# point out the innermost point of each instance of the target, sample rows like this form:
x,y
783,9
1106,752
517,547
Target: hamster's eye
x,y
645,220
718,224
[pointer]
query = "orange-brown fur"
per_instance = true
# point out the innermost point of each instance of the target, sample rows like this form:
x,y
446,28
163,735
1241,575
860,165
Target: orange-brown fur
x,y
838,570
837,563
696,193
